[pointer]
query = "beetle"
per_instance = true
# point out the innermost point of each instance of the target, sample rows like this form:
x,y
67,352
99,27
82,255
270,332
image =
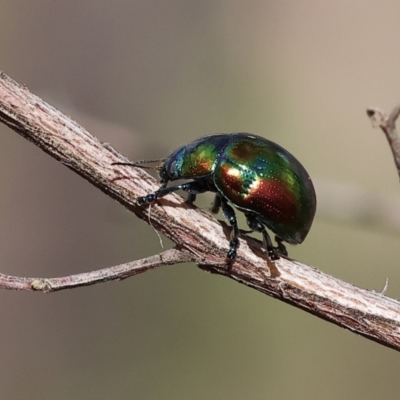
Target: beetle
x,y
255,175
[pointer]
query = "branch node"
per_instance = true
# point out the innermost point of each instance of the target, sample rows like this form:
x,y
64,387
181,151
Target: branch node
x,y
378,117
42,285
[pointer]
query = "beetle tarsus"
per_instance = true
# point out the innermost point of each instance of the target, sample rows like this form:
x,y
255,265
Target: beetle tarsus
x,y
273,253
231,255
146,199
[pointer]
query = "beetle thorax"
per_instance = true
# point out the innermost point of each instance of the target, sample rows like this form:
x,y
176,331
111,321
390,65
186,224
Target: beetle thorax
x,y
189,162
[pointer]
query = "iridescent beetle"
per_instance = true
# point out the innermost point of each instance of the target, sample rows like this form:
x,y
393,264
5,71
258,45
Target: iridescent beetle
x,y
257,176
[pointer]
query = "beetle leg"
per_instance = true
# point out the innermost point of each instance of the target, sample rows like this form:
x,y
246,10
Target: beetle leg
x,y
281,246
192,188
191,198
149,198
230,216
256,225
216,204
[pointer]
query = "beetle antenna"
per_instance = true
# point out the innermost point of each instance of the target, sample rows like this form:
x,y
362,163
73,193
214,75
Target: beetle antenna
x,y
140,163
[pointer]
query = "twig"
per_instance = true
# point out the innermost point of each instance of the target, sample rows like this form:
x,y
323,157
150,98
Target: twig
x,y
119,272
388,125
198,236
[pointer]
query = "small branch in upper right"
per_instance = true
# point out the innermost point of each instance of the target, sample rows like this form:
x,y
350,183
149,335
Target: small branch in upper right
x,y
388,125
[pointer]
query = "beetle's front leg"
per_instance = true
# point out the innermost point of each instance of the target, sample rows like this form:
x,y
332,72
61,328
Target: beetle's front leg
x,y
151,197
192,188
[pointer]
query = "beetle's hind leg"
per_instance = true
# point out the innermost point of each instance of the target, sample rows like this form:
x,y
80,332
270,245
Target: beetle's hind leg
x,y
230,216
281,246
256,225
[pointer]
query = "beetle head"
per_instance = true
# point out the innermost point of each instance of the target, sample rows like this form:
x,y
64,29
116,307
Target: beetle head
x,y
171,168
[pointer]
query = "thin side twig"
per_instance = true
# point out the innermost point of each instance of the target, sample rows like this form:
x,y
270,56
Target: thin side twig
x,y
118,272
388,125
196,234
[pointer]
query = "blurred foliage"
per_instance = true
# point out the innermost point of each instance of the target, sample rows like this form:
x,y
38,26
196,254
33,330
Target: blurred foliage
x,y
148,77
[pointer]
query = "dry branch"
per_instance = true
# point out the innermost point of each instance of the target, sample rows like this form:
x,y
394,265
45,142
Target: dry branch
x,y
388,125
198,236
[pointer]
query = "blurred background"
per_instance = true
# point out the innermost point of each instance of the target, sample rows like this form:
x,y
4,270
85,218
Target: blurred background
x,y
147,77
